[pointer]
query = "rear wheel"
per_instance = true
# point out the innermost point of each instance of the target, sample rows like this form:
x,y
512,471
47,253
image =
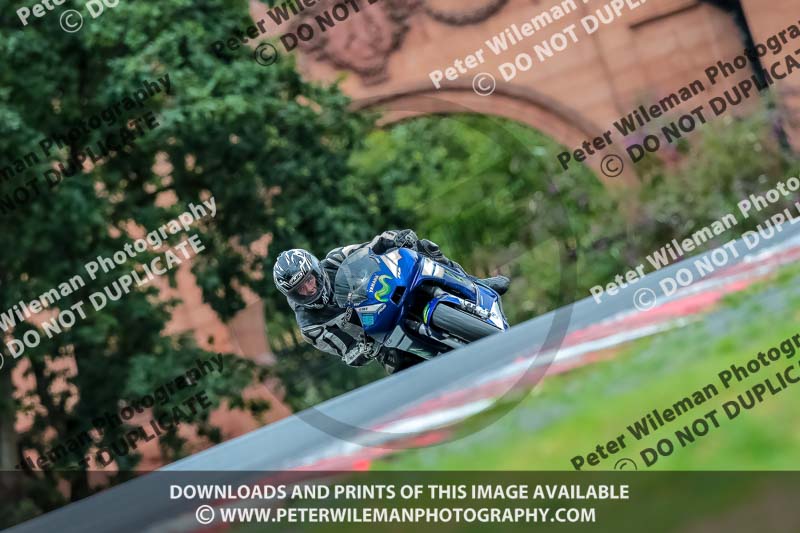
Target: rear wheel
x,y
461,324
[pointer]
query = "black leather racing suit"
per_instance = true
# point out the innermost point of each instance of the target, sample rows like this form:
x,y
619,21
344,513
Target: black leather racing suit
x,y
335,330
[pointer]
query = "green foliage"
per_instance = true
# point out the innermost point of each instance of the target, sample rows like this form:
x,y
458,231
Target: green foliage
x,y
270,147
308,375
287,158
491,193
728,160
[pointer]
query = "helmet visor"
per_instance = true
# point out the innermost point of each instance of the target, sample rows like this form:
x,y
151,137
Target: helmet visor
x,y
308,290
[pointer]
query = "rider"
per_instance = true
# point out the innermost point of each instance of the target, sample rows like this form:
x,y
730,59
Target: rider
x,y
307,284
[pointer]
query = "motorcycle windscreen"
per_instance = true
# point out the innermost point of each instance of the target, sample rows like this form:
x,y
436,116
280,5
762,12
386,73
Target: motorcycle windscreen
x,y
352,283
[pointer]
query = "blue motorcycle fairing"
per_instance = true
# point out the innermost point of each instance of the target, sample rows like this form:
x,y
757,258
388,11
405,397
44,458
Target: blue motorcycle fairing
x,y
379,287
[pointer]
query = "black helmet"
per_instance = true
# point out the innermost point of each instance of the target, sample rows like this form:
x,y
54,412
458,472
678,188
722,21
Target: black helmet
x,y
299,276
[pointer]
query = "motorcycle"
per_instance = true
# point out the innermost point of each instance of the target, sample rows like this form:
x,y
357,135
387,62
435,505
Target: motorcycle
x,y
420,308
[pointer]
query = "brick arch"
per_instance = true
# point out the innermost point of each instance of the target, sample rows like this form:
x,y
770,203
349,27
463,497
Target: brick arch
x,y
524,105
575,96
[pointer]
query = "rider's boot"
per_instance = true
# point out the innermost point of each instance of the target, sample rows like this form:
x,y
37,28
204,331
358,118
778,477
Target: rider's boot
x,y
498,284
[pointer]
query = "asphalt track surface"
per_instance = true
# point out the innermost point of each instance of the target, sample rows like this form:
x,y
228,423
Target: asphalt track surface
x,y
370,421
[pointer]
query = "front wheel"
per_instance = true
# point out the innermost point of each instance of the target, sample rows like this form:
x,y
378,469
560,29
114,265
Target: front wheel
x,y
394,361
461,324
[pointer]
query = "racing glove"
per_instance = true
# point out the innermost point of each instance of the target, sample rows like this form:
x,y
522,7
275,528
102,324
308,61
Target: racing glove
x,y
387,240
406,239
362,353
